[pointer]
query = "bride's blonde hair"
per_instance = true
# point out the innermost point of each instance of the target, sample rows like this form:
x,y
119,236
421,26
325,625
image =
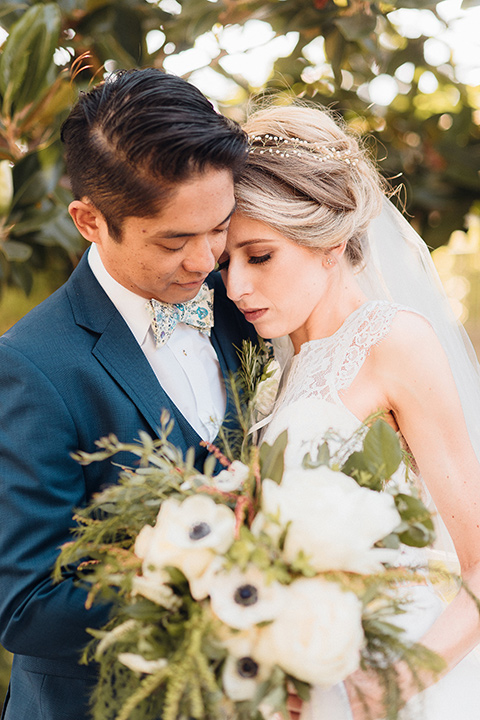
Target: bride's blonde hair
x,y
309,179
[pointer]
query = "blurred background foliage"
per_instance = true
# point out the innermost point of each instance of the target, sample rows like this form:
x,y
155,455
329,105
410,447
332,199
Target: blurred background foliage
x,y
400,90
423,123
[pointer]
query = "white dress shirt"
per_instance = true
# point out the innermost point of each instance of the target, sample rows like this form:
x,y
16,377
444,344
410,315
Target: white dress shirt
x,y
186,366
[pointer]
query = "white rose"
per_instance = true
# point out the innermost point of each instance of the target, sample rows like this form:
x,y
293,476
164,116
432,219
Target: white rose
x,y
308,421
242,599
333,520
233,478
186,535
267,389
318,634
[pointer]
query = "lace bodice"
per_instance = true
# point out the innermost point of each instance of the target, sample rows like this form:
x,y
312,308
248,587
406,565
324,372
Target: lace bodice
x,y
325,367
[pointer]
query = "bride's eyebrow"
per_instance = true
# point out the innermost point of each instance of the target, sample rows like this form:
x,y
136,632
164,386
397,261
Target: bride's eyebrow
x,y
254,241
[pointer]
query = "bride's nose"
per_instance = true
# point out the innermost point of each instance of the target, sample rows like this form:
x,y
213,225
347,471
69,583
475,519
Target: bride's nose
x,y
237,284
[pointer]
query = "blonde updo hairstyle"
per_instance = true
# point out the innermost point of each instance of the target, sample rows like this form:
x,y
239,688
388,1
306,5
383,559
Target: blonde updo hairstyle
x,y
318,192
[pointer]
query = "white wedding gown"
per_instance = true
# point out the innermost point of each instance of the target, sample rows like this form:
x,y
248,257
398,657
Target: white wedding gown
x,y
316,375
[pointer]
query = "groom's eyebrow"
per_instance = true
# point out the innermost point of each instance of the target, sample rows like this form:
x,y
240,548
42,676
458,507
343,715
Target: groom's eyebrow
x,y
176,234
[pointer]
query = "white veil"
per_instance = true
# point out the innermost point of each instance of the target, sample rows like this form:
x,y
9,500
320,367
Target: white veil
x,y
398,267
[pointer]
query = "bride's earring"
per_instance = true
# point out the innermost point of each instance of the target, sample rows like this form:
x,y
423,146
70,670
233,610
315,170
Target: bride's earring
x,y
329,262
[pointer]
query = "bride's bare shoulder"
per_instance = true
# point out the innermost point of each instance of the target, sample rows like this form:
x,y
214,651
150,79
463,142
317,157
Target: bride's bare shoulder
x,y
410,343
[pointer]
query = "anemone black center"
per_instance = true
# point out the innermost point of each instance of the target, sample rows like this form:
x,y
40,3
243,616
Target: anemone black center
x,y
199,531
246,595
247,667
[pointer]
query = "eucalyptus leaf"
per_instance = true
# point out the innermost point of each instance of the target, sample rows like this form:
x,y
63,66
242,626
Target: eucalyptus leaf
x,y
302,688
420,531
323,458
271,458
382,448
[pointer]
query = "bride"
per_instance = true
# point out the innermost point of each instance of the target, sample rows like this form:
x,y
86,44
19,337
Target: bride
x,y
320,260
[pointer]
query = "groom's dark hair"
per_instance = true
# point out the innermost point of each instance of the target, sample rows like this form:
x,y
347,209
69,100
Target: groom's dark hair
x,y
134,136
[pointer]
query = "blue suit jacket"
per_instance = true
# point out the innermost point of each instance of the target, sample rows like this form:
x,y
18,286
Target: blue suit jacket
x,y
70,372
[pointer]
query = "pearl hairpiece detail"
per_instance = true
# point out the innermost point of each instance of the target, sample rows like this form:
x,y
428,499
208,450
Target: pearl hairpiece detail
x,y
285,147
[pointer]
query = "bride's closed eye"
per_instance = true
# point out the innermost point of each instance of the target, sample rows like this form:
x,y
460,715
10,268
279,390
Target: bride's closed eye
x,y
253,260
259,259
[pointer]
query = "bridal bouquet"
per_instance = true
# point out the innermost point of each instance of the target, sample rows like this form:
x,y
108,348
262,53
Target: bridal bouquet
x,y
229,584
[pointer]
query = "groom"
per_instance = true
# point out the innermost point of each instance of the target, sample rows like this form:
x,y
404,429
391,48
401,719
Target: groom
x,y
152,168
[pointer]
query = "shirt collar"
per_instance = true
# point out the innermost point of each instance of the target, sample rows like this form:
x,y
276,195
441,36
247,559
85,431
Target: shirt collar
x,y
131,307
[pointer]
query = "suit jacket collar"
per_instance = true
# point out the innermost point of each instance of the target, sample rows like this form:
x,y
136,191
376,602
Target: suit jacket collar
x,y
121,356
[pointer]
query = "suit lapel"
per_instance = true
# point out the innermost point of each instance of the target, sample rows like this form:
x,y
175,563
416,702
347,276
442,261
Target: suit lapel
x,y
119,353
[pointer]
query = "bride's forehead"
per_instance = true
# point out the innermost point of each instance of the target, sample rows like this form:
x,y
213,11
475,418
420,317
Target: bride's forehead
x,y
244,230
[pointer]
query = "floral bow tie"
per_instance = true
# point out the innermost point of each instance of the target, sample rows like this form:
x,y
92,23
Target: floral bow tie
x,y
197,312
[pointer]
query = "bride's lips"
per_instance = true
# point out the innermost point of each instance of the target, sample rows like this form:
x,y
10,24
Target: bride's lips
x,y
253,315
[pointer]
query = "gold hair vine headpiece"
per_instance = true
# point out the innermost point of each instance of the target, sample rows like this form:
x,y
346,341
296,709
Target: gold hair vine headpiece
x,y
285,147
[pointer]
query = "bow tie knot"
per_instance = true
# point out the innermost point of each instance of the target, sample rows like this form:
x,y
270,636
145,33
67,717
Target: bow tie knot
x,y
197,312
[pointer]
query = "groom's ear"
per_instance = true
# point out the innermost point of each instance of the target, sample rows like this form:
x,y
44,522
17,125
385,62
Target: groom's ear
x,y
88,220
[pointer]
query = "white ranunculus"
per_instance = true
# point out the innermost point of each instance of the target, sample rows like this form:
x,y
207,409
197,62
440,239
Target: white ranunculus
x,y
139,664
308,421
187,535
318,634
267,390
333,520
242,599
233,478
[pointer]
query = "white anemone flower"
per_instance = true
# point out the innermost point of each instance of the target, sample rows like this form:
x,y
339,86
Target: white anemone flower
x,y
318,634
242,599
233,478
199,522
333,520
242,673
187,535
241,677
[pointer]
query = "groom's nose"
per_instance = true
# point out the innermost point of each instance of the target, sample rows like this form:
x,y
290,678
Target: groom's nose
x,y
203,253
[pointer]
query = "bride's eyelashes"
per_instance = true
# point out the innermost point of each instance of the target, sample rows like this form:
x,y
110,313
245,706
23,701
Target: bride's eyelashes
x,y
253,260
259,259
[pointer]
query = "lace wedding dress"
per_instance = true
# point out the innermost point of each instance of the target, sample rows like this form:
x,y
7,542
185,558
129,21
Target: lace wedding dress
x,y
317,375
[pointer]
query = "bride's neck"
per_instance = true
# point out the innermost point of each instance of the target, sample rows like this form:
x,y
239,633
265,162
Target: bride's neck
x,y
341,299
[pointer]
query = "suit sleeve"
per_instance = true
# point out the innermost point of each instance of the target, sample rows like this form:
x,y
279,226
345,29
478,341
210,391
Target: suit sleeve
x,y
40,486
